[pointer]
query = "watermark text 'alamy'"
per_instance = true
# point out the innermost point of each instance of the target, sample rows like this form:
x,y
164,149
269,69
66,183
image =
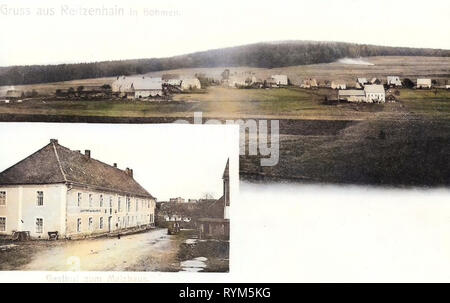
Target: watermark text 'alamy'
x,y
257,132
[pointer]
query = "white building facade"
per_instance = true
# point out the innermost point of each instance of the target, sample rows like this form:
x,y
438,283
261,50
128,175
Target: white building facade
x,y
48,193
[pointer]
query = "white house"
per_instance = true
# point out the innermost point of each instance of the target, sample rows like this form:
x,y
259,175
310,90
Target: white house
x,y
64,191
309,83
375,93
241,80
122,84
394,81
146,87
352,95
362,81
280,79
423,83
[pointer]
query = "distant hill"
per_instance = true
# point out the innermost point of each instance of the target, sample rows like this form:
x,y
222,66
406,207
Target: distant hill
x,y
264,55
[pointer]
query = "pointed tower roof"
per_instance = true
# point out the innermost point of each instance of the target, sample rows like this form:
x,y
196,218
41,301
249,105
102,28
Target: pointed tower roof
x,y
226,172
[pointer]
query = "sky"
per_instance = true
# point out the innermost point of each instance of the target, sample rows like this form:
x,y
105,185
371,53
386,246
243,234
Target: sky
x,y
67,31
168,160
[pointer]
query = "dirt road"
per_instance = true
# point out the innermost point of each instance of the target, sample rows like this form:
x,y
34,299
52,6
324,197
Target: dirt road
x,y
149,251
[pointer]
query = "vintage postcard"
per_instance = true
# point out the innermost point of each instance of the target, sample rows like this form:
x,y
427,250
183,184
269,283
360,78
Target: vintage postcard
x,y
281,141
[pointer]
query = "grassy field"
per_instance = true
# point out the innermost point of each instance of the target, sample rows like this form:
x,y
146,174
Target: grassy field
x,y
219,102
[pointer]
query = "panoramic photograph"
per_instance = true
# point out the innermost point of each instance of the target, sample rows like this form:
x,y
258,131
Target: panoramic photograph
x,y
348,112
63,208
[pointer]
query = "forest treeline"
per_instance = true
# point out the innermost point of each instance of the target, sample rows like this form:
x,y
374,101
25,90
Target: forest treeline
x,y
264,55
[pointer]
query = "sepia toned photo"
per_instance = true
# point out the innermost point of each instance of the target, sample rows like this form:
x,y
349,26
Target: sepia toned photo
x,y
65,209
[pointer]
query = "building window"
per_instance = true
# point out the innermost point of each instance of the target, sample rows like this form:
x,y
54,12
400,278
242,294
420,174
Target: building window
x,y
39,225
79,225
110,201
128,204
80,196
2,198
90,223
90,200
2,223
101,200
137,205
101,223
40,198
119,206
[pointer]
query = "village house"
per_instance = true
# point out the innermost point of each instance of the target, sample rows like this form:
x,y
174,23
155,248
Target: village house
x,y
140,87
241,80
375,81
394,81
338,84
146,87
352,95
182,83
371,93
190,84
177,200
309,83
57,190
217,224
14,94
423,83
362,81
280,79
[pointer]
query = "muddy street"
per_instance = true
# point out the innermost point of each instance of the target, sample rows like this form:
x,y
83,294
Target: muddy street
x,y
149,251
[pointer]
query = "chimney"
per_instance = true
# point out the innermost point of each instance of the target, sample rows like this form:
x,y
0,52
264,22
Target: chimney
x,y
55,141
78,151
115,165
87,152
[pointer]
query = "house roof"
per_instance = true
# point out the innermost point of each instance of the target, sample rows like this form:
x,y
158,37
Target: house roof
x,y
55,163
226,172
374,88
14,93
310,82
147,83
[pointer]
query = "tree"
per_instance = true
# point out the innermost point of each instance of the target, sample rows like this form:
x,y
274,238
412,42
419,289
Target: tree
x,y
408,83
80,88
